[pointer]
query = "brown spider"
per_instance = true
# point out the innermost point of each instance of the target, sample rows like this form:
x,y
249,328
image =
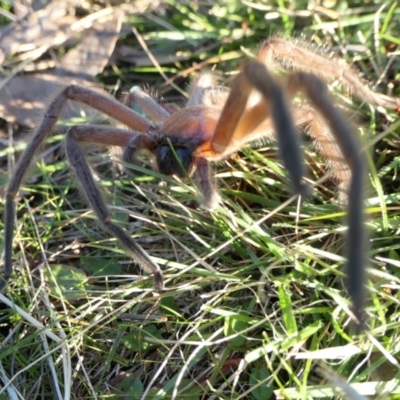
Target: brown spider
x,y
215,123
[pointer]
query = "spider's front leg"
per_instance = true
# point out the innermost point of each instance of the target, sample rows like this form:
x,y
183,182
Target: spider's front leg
x,y
238,120
316,90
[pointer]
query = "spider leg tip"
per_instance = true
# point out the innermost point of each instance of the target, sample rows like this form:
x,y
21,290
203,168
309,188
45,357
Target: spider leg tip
x,y
303,190
210,203
4,281
359,321
159,282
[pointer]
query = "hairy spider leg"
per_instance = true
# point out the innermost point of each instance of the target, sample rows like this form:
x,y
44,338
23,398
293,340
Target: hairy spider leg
x,y
86,134
234,116
87,96
316,90
149,106
204,180
296,57
237,122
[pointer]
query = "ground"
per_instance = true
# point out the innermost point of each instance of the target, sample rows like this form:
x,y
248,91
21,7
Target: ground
x,y
255,306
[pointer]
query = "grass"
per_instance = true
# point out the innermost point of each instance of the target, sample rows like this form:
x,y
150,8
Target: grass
x,y
255,306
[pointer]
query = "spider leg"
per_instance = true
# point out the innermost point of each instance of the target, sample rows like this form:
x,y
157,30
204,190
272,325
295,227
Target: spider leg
x,y
95,199
203,91
316,91
206,184
136,143
299,58
236,122
92,98
226,128
147,104
256,76
9,218
326,144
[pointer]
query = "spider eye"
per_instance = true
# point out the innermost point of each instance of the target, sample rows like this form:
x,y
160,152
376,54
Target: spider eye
x,y
167,161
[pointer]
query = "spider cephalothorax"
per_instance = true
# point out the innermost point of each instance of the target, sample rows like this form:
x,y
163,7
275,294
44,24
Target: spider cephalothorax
x,y
175,139
215,123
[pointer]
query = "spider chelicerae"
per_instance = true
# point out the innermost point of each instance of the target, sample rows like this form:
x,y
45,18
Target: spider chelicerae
x,y
215,123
